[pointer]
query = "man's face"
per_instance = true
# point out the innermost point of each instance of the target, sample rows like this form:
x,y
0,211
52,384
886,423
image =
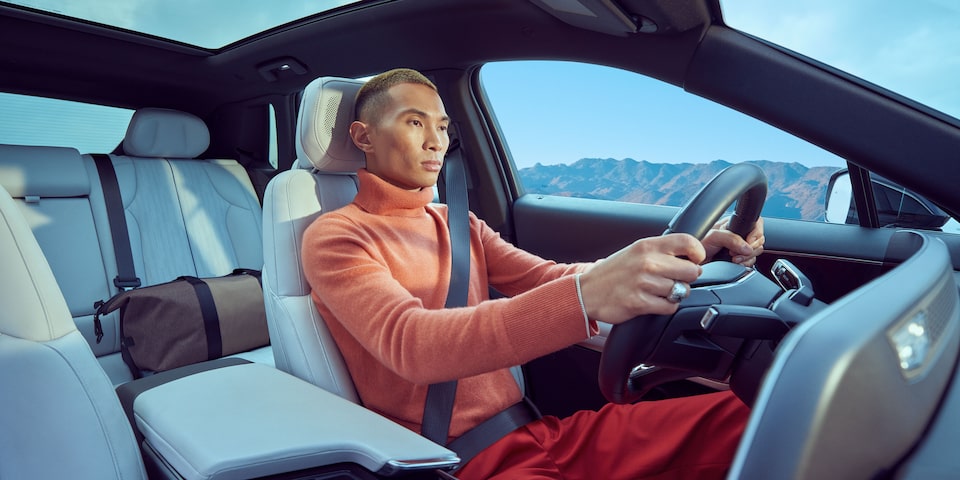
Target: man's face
x,y
406,145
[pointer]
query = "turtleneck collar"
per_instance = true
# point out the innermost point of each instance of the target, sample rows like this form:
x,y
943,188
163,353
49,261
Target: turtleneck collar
x,y
379,197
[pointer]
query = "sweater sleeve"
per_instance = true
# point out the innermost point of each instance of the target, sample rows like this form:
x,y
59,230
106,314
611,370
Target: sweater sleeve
x,y
353,284
513,270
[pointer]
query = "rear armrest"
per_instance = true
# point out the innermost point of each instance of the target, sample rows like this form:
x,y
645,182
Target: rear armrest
x,y
252,420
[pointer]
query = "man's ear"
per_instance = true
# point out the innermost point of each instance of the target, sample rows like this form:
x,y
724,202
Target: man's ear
x,y
360,134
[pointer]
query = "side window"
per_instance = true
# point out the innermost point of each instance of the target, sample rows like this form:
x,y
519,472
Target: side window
x,y
27,120
590,131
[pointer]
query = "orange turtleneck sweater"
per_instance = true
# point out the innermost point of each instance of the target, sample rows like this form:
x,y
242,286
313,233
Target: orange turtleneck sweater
x,y
379,269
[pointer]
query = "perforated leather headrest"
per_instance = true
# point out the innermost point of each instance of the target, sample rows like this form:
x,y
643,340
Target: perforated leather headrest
x,y
43,171
323,128
163,133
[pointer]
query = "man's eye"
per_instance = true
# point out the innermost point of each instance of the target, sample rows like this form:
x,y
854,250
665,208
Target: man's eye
x,y
415,123
443,128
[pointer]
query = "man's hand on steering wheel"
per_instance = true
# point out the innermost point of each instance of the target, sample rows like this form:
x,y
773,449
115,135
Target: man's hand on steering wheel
x,y
637,279
742,251
656,348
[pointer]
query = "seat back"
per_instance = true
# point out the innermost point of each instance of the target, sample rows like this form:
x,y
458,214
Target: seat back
x,y
59,416
58,192
185,216
322,179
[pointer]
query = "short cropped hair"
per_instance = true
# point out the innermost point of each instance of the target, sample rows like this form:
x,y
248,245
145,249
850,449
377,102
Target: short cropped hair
x,y
372,97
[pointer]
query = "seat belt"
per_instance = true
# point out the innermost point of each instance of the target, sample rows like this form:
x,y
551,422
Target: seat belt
x,y
438,408
126,275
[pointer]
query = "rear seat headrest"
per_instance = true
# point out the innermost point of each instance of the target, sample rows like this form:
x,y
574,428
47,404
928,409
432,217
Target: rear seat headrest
x,y
163,133
42,171
323,128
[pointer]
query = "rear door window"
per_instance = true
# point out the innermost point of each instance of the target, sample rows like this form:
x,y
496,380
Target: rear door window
x,y
90,128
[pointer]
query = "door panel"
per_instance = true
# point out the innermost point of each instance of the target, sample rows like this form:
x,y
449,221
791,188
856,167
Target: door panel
x,y
837,258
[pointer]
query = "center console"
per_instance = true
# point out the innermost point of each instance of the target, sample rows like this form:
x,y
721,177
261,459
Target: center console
x,y
250,420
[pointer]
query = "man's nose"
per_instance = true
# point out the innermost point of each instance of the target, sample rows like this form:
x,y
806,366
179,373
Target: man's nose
x,y
435,141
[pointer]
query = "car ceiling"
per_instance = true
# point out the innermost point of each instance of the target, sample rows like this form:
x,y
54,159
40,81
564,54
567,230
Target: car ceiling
x,y
51,56
123,69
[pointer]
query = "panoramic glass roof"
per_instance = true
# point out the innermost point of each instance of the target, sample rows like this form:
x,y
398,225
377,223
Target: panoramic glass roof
x,y
204,23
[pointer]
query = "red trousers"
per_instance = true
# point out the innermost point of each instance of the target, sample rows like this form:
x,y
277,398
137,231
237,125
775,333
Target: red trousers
x,y
683,438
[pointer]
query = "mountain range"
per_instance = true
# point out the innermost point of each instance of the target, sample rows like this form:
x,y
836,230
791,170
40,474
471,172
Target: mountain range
x,y
794,190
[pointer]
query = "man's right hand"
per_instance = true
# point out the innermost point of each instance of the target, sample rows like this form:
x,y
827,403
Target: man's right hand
x,y
637,279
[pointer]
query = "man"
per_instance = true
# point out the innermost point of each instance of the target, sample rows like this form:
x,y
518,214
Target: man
x,y
379,270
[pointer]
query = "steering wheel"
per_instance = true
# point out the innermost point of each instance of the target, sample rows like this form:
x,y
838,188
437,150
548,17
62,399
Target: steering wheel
x,y
726,312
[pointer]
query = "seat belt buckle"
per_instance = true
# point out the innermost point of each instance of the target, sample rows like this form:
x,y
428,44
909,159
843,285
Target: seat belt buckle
x,y
125,284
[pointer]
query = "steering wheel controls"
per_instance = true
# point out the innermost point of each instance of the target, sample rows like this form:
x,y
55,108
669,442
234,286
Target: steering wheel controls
x,y
755,323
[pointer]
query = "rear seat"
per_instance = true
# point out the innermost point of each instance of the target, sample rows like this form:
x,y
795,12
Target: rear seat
x,y
59,193
184,216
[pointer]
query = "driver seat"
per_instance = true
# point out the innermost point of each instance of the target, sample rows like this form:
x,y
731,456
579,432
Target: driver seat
x,y
323,178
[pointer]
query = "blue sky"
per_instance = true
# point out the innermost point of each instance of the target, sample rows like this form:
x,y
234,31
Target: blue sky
x,y
910,47
619,114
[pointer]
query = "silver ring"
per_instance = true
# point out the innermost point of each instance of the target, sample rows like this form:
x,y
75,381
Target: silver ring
x,y
678,292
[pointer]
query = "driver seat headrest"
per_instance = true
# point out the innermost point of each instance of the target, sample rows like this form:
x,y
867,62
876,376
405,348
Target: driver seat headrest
x,y
323,127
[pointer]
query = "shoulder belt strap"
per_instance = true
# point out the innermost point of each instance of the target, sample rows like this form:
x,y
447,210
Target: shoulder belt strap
x,y
438,408
126,276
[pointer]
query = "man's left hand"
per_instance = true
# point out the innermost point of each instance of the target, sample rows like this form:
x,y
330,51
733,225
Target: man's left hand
x,y
742,251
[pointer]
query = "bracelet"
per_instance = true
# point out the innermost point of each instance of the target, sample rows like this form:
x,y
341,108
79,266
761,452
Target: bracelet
x,y
583,309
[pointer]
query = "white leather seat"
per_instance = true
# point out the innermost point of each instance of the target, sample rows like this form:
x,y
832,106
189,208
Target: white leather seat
x,y
322,179
58,192
59,416
185,216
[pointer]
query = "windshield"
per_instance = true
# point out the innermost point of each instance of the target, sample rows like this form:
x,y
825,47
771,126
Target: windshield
x,y
908,47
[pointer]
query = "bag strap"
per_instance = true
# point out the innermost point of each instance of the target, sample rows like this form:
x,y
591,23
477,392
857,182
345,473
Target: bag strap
x,y
438,408
126,276
211,319
103,307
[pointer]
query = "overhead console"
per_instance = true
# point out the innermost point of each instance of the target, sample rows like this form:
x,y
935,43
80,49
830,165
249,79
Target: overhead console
x,y
626,17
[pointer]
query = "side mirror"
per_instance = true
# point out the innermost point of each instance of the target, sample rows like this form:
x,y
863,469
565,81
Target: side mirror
x,y
896,206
